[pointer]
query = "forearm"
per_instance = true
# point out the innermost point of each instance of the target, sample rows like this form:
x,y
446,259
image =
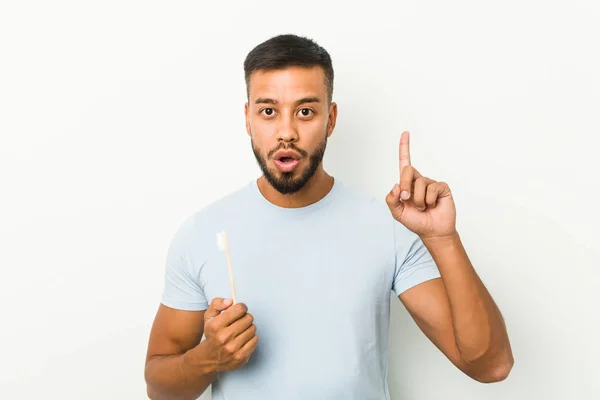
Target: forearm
x,y
181,376
479,329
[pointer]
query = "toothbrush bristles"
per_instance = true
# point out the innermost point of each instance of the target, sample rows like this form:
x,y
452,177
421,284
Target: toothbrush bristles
x,y
222,241
223,246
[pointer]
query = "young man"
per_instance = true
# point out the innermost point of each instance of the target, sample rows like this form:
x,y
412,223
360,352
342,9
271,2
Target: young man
x,y
314,264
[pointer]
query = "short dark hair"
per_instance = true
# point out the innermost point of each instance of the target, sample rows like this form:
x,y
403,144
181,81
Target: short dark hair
x,y
283,51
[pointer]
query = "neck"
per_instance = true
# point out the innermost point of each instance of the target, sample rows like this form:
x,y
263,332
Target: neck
x,y
315,189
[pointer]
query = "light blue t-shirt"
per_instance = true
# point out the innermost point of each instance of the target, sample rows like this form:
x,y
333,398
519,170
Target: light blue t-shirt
x,y
316,279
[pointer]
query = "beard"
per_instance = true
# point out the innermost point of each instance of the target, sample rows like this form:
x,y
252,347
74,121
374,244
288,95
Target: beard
x,y
286,182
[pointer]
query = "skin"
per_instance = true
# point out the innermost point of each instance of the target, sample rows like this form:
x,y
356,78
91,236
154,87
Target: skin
x,y
290,108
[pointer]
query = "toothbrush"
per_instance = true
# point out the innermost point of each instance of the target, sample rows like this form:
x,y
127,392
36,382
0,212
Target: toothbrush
x,y
224,246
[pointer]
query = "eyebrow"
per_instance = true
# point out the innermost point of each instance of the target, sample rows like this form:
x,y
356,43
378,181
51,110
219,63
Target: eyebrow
x,y
261,100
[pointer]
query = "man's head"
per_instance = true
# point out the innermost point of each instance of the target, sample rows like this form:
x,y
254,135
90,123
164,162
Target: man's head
x,y
289,113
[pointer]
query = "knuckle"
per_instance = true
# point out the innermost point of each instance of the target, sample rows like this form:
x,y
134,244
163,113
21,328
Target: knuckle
x,y
222,338
209,332
209,327
230,348
241,308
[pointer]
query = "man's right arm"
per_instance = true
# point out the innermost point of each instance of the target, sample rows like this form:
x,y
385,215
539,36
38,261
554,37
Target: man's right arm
x,y
181,366
177,377
173,345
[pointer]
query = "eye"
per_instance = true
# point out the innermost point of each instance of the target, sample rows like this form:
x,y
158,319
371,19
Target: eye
x,y
268,111
305,112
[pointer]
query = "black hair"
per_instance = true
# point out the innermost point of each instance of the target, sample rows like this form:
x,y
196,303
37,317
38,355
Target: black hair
x,y
283,51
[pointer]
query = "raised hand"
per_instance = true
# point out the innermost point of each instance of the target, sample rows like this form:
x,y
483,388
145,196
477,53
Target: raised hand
x,y
424,206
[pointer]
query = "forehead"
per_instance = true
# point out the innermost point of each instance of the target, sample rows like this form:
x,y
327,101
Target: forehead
x,y
288,84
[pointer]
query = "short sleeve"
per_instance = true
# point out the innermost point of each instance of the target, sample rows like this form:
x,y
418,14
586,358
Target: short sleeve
x,y
414,263
182,290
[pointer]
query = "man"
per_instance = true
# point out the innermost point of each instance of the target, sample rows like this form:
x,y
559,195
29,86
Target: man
x,y
314,264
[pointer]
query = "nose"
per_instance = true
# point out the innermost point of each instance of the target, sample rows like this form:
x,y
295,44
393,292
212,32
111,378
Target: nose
x,y
287,131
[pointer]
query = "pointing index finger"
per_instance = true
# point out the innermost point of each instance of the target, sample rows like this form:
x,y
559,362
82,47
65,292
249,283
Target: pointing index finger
x,y
404,150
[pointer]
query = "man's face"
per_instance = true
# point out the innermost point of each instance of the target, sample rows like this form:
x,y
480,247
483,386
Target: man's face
x,y
289,119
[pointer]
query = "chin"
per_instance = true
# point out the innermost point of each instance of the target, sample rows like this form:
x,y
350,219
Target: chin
x,y
286,182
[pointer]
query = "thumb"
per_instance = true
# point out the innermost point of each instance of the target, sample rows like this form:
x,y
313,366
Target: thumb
x,y
393,198
217,305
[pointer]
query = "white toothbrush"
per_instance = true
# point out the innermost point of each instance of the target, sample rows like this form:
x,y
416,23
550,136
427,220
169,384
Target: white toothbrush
x,y
224,246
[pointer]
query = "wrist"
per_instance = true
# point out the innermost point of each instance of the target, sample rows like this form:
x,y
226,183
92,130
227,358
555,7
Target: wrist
x,y
446,240
199,360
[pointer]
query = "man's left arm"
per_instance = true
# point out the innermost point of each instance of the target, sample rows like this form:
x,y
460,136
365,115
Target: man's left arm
x,y
455,312
459,316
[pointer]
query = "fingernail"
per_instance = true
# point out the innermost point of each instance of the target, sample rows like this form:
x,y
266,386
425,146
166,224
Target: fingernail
x,y
395,190
405,195
227,301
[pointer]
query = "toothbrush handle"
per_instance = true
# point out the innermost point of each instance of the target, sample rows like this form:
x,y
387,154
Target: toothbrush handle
x,y
231,281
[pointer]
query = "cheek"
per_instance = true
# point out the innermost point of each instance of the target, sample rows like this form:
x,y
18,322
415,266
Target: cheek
x,y
262,130
316,127
261,142
313,133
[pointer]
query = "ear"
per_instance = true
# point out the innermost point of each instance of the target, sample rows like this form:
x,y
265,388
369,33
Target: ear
x,y
246,112
332,118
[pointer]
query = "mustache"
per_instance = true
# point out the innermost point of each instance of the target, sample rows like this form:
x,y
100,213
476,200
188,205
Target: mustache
x,y
290,146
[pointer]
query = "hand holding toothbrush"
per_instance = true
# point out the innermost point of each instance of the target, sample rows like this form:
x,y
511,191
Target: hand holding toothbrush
x,y
229,328
424,206
230,336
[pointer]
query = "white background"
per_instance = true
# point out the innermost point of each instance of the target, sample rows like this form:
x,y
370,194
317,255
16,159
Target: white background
x,y
117,117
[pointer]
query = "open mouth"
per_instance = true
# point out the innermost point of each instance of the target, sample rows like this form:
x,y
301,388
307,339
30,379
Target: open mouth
x,y
286,161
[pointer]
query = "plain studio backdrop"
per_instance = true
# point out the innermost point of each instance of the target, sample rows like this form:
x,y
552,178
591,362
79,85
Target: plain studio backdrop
x,y
118,119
